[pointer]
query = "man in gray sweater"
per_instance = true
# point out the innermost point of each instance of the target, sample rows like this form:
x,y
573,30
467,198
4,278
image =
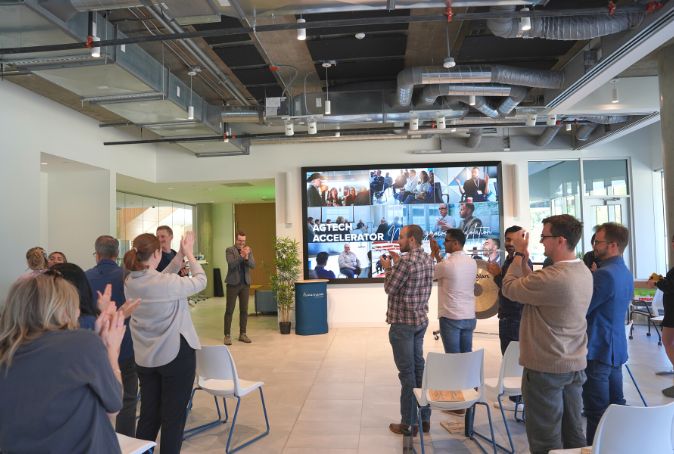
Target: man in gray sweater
x,y
553,338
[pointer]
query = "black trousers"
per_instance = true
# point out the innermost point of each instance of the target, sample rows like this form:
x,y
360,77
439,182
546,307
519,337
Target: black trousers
x,y
125,423
240,291
165,392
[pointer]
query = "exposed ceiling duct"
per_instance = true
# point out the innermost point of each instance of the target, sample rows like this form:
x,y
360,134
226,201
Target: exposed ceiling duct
x,y
585,131
501,74
191,12
548,135
474,138
431,93
517,95
569,28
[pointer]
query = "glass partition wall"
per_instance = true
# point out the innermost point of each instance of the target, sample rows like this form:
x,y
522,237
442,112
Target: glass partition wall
x,y
555,188
138,214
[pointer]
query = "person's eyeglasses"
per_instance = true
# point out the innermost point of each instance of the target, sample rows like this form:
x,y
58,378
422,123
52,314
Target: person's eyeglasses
x,y
549,236
600,241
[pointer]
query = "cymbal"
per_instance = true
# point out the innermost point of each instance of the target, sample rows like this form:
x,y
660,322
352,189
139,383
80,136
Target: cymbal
x,y
486,292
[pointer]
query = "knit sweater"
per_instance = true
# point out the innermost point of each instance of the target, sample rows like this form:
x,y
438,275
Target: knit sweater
x,y
553,335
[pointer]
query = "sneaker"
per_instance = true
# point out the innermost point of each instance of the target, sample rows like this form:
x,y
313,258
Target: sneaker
x,y
669,392
404,429
228,340
244,338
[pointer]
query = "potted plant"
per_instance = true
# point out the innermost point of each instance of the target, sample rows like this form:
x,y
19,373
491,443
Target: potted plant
x,y
283,283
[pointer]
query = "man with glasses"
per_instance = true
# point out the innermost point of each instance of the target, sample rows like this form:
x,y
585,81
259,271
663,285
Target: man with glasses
x,y
408,284
445,221
553,337
606,342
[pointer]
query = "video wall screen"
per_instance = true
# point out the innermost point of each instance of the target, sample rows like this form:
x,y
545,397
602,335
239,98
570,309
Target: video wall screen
x,y
354,214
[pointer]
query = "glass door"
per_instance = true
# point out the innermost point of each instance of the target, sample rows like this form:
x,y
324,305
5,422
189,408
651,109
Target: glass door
x,y
598,210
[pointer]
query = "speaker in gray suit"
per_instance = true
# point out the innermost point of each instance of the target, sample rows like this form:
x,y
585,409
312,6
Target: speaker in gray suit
x,y
239,263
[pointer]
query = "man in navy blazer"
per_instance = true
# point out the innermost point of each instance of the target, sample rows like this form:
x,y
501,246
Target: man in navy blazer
x,y
239,263
606,343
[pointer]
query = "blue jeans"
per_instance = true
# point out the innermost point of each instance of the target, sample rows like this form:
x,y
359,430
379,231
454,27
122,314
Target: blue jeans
x,y
407,342
457,335
604,386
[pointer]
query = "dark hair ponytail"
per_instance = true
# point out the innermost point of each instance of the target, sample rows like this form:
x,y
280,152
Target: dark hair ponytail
x,y
144,245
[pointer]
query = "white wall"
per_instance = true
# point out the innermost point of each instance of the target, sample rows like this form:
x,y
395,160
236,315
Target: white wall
x,y
30,125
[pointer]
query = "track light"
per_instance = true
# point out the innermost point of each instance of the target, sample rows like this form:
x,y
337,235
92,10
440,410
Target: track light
x,y
531,120
614,92
414,124
312,128
525,22
440,122
290,128
471,100
301,32
568,127
551,120
95,50
448,61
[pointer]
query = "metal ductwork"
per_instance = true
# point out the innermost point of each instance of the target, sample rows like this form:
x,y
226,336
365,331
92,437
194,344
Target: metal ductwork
x,y
431,93
482,105
185,13
548,135
568,28
475,138
599,119
243,115
585,131
471,74
517,95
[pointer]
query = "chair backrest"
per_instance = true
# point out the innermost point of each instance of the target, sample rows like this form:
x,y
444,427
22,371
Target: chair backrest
x,y
658,305
510,365
642,430
216,362
454,371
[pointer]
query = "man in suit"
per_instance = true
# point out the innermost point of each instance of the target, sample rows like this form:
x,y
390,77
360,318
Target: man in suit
x,y
239,263
314,198
606,344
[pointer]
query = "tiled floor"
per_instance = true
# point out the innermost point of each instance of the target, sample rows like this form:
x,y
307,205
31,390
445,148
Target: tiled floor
x,y
337,393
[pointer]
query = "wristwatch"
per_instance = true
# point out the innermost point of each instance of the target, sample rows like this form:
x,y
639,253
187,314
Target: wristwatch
x,y
519,254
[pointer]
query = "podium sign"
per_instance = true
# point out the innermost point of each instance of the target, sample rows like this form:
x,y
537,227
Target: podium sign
x,y
311,307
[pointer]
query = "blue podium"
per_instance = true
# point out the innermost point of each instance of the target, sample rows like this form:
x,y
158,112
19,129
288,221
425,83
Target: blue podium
x,y
311,307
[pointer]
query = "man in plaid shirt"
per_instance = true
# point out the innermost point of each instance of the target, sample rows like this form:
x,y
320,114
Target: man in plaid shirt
x,y
408,285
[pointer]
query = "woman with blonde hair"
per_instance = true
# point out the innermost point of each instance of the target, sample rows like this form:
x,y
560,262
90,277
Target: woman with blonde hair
x,y
164,338
36,259
57,383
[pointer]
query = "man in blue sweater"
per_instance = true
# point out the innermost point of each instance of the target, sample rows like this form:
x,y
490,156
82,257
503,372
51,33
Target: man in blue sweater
x,y
107,272
607,344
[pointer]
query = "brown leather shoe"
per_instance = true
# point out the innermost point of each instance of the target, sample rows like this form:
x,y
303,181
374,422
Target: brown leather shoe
x,y
404,429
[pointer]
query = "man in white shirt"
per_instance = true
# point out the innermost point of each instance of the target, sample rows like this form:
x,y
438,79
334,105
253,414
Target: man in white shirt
x,y
349,265
456,293
410,186
444,221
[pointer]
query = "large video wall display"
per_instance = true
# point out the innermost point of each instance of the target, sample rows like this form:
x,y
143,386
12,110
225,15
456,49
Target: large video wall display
x,y
354,214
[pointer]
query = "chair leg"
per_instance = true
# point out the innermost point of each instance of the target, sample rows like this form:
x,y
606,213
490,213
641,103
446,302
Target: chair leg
x,y
421,431
505,423
252,440
491,440
188,433
224,404
636,385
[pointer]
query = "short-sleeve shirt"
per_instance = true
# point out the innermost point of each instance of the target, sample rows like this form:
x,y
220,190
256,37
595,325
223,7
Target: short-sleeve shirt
x,y
56,395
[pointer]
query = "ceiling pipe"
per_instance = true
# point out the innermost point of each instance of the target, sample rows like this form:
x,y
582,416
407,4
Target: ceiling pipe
x,y
568,28
481,105
409,77
475,138
431,93
517,95
170,24
584,132
548,135
243,115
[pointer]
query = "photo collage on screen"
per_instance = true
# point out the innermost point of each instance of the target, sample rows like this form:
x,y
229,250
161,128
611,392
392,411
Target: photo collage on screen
x,y
353,217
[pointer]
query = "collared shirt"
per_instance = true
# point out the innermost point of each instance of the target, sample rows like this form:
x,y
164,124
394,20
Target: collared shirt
x,y
108,272
456,286
448,222
348,260
411,184
408,285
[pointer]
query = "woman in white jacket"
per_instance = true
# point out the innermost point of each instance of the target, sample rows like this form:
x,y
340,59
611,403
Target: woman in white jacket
x,y
164,338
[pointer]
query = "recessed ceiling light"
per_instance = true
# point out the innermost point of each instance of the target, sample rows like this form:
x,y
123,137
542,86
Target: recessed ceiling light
x,y
360,35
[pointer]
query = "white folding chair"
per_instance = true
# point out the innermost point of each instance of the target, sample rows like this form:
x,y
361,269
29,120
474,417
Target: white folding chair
x,y
508,383
629,430
217,375
454,372
628,330
130,445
